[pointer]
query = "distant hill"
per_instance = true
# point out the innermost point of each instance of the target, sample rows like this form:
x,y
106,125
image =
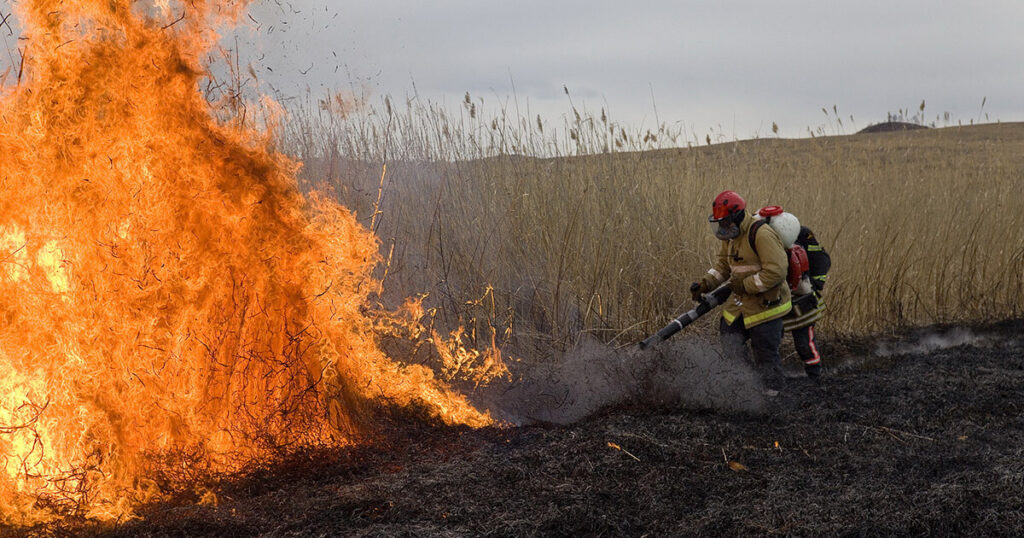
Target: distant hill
x,y
890,126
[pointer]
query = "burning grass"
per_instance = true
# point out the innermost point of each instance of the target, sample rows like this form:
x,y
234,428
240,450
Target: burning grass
x,y
170,298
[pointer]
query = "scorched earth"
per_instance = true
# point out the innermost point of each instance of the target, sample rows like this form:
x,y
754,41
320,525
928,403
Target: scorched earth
x,y
902,438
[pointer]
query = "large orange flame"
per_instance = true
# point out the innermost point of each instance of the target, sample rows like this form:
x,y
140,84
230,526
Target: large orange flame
x,y
163,284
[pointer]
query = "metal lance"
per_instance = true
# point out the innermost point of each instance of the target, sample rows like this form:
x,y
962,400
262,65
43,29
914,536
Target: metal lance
x,y
707,303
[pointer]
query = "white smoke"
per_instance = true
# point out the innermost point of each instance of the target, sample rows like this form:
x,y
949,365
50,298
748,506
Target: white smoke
x,y
594,376
934,341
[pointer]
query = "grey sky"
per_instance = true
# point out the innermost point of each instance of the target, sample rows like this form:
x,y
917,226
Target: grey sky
x,y
733,67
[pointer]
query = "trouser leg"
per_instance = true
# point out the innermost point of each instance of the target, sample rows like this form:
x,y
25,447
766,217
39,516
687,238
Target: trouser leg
x,y
733,338
764,341
807,349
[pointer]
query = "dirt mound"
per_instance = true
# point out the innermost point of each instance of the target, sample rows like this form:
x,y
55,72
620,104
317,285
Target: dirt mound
x,y
913,438
890,126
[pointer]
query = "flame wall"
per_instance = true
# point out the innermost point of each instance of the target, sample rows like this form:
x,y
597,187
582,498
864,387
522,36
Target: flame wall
x,y
163,285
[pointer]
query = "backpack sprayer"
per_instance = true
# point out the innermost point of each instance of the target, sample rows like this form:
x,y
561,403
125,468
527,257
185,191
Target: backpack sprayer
x,y
707,303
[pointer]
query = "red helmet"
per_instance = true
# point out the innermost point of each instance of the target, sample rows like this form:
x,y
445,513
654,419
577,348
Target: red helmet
x,y
727,204
726,215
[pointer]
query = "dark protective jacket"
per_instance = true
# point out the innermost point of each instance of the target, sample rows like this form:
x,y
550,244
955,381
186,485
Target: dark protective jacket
x,y
765,290
810,307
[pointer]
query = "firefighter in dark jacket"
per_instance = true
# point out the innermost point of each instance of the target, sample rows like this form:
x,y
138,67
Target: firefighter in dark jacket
x,y
806,287
756,267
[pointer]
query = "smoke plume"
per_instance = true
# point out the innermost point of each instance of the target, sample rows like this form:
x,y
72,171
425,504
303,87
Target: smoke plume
x,y
593,376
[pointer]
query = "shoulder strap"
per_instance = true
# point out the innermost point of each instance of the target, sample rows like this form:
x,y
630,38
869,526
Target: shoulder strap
x,y
752,234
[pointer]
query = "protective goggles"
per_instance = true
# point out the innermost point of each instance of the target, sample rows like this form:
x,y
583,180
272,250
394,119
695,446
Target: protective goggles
x,y
724,228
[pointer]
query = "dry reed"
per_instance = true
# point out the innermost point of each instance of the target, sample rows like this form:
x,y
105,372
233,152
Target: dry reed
x,y
537,235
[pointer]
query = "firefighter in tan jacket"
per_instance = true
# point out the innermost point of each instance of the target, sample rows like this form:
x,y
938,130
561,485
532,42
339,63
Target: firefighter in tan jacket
x,y
756,269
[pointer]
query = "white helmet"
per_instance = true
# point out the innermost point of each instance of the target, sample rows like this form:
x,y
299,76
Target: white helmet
x,y
784,224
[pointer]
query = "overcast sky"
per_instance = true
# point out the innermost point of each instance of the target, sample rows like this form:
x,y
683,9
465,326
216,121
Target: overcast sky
x,y
733,67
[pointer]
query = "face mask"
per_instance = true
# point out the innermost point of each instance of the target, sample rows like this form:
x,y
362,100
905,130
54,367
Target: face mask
x,y
725,229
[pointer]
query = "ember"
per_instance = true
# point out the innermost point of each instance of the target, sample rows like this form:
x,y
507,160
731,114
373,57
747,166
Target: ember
x,y
165,287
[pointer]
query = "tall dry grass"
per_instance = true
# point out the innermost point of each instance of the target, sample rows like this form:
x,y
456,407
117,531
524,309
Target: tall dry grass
x,y
538,234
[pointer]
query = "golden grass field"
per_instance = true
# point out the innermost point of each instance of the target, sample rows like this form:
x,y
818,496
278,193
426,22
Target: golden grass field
x,y
543,235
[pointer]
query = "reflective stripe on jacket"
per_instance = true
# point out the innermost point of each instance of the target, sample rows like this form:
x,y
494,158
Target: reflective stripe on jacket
x,y
817,257
807,310
766,292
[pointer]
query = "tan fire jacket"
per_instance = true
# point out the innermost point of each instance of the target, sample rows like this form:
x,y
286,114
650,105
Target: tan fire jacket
x,y
766,293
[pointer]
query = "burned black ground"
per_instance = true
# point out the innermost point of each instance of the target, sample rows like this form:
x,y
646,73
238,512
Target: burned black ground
x,y
906,443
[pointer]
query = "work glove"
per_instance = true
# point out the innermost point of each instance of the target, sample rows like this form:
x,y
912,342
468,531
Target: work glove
x,y
736,283
695,291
